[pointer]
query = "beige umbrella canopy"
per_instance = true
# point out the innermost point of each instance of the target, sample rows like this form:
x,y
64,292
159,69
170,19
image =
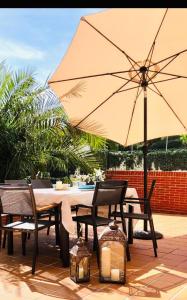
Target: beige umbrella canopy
x,y
124,76
100,81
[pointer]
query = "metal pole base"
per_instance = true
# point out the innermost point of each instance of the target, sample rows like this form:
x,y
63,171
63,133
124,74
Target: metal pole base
x,y
146,235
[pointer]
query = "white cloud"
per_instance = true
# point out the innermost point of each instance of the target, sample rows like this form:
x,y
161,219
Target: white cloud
x,y
12,49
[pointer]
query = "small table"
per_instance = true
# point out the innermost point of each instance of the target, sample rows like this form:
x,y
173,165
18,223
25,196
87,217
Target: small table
x,y
71,197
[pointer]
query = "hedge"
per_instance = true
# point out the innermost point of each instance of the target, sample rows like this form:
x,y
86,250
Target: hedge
x,y
171,160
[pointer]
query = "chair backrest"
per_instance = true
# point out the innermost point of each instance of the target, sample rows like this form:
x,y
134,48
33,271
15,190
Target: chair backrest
x,y
16,181
114,182
151,189
107,193
41,183
142,200
18,200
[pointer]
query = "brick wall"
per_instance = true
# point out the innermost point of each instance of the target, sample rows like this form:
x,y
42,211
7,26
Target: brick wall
x,y
170,195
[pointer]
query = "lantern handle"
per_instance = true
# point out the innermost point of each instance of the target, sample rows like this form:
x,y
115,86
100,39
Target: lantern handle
x,y
113,225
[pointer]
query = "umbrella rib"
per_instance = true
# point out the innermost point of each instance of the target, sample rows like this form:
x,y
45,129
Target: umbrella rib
x,y
132,114
161,95
89,76
168,79
174,55
132,88
130,59
119,77
104,101
154,91
170,74
163,67
154,41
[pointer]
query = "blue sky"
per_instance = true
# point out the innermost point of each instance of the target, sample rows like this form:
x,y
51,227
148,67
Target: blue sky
x,y
38,38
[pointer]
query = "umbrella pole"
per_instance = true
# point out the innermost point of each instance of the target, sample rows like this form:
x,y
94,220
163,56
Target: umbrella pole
x,y
145,234
145,146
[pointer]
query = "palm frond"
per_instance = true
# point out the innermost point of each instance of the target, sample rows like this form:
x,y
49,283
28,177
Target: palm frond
x,y
75,91
92,127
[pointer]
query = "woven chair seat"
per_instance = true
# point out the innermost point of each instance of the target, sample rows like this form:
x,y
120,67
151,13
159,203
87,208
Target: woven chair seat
x,y
87,219
27,225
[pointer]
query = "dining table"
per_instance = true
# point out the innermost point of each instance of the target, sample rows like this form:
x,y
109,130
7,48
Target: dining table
x,y
71,197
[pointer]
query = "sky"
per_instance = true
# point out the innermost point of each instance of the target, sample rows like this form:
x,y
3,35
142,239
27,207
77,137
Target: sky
x,y
37,38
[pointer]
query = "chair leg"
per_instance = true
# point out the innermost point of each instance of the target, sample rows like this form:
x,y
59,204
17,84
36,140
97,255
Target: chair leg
x,y
48,229
124,225
109,211
79,232
96,244
60,240
23,239
153,236
35,251
86,232
128,252
115,209
10,238
4,239
57,224
0,237
130,225
125,231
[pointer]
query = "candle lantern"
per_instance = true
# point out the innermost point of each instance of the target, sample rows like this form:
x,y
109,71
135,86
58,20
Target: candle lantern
x,y
112,255
80,262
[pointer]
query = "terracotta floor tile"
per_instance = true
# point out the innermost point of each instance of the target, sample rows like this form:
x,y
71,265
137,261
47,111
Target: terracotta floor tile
x,y
163,278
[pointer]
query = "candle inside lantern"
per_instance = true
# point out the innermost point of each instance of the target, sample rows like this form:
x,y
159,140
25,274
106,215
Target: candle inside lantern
x,y
105,262
81,272
115,275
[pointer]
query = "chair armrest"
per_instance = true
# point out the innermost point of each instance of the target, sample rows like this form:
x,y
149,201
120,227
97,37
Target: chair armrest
x,y
84,206
46,207
129,198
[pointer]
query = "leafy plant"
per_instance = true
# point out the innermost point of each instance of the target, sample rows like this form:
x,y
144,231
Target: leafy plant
x,y
35,133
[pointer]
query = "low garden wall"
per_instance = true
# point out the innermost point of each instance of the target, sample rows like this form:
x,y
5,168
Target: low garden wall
x,y
170,195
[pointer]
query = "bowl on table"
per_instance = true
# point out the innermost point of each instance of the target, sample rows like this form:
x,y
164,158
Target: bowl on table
x,y
86,187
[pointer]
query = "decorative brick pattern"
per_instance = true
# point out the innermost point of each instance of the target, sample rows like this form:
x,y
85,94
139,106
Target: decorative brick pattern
x,y
170,195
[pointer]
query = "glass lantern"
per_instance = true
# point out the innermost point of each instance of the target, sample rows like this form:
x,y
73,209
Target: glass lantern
x,y
80,262
112,255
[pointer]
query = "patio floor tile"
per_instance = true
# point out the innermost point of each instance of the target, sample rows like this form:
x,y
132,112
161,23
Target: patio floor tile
x,y
163,278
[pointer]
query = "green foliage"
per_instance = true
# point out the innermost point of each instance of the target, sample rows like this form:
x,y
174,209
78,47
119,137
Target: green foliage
x,y
127,159
168,161
34,132
157,160
183,139
174,142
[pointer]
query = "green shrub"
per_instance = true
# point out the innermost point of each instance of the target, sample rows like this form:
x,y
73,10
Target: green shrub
x,y
157,160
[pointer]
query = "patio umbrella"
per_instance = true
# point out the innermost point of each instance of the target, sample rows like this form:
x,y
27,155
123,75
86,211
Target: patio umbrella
x,y
124,75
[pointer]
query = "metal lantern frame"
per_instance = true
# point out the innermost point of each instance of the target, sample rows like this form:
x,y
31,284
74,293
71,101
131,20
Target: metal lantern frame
x,y
112,234
79,253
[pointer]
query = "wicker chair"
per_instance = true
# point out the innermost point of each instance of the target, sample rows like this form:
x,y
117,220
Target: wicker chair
x,y
104,195
146,215
20,201
43,212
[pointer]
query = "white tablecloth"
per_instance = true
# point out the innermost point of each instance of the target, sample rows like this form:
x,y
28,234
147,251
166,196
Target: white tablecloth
x,y
69,198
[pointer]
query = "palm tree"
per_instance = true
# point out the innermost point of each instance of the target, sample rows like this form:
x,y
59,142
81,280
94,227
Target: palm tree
x,y
34,130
